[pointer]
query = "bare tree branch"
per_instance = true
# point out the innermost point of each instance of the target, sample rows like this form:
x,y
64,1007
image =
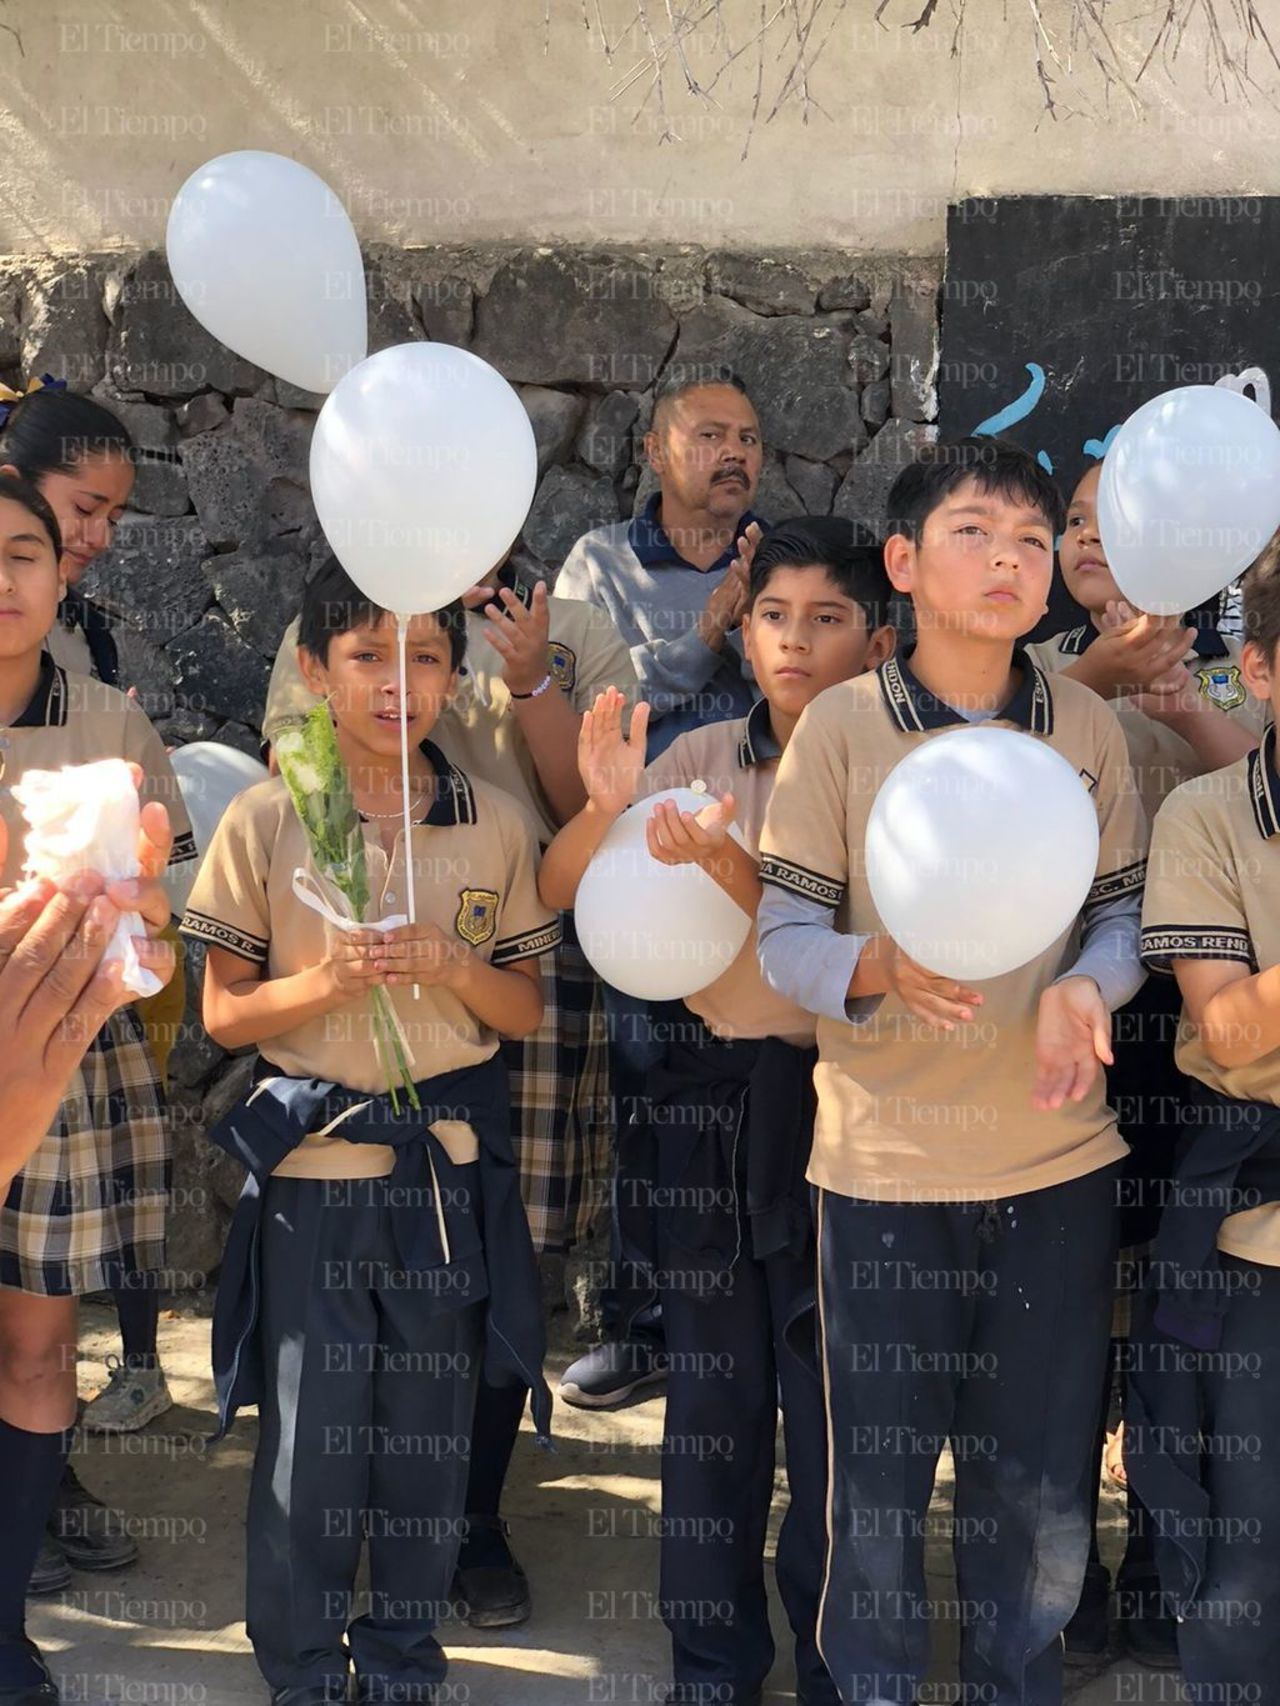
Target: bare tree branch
x,y
1084,52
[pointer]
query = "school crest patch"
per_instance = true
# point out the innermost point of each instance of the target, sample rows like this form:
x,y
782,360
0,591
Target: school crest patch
x,y
562,665
1221,683
477,915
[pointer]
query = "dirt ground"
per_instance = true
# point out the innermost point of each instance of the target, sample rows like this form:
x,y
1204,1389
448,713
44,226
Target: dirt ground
x,y
170,1632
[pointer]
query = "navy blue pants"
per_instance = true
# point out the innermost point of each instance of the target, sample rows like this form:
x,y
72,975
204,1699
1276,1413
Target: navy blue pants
x,y
741,1338
985,1326
364,1435
729,1366
1229,1638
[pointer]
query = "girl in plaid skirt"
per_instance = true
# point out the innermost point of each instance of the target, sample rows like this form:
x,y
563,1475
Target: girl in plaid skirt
x,y
89,1204
80,458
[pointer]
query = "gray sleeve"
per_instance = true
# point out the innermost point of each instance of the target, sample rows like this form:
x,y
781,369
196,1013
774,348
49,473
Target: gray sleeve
x,y
574,578
1109,949
671,670
804,957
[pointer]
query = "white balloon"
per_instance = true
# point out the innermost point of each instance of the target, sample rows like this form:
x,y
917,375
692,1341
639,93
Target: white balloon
x,y
423,467
655,931
981,847
265,257
210,776
1189,495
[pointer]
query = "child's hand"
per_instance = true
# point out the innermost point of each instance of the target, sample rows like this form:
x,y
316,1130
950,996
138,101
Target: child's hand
x,y
422,954
519,635
688,838
1137,652
609,764
940,1001
350,965
1073,1035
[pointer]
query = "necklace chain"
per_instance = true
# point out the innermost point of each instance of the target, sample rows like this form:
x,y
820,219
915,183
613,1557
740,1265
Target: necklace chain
x,y
399,811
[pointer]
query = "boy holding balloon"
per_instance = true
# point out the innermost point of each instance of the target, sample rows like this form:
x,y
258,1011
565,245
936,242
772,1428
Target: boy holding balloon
x,y
733,1110
964,1154
1176,687
533,664
382,1248
1204,1394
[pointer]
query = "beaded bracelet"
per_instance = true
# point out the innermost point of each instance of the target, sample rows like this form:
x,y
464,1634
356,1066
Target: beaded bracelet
x,y
537,691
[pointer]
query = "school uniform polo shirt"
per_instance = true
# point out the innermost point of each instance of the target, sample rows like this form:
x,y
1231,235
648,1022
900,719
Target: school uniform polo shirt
x,y
474,862
739,758
1213,893
1162,760
75,719
478,728
907,1112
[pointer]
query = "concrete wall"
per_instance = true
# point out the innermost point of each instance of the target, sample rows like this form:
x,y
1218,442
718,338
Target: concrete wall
x,y
472,120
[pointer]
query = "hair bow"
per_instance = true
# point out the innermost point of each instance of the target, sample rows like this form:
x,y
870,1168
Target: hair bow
x,y
9,398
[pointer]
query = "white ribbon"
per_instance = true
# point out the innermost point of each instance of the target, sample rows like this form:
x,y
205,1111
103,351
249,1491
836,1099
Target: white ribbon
x,y
309,892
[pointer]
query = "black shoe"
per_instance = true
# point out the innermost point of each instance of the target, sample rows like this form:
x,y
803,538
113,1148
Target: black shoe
x,y
489,1579
611,1374
1089,1630
52,1572
1148,1630
90,1534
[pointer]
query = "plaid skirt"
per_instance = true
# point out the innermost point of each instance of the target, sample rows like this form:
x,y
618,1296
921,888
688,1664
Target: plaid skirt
x,y
561,1118
88,1209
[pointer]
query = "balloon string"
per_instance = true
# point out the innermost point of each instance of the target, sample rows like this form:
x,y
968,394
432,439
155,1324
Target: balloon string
x,y
402,634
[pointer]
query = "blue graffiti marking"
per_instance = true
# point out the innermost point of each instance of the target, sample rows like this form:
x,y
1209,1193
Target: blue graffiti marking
x,y
1099,447
1019,409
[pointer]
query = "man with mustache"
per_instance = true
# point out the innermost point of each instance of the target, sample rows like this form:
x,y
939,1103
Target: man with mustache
x,y
674,581
672,578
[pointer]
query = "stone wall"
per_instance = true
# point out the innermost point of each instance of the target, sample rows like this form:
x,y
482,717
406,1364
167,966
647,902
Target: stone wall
x,y
839,352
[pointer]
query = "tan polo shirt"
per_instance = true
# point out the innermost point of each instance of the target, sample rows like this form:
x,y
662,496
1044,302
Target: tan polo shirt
x,y
478,729
68,647
1160,759
907,1112
76,719
1213,893
474,861
738,757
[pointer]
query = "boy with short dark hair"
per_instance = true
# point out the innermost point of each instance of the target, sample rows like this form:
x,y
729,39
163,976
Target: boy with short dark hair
x,y
1202,1433
377,1247
733,1112
963,1151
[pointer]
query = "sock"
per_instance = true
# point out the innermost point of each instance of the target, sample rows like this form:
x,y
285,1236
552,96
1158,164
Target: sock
x,y
30,1470
493,1438
138,1308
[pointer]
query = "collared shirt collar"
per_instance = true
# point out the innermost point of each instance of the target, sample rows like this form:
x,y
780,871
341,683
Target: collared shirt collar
x,y
648,539
1264,785
455,800
1208,642
47,707
508,578
758,744
915,709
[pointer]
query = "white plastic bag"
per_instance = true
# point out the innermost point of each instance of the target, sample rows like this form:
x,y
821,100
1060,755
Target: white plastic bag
x,y
84,817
